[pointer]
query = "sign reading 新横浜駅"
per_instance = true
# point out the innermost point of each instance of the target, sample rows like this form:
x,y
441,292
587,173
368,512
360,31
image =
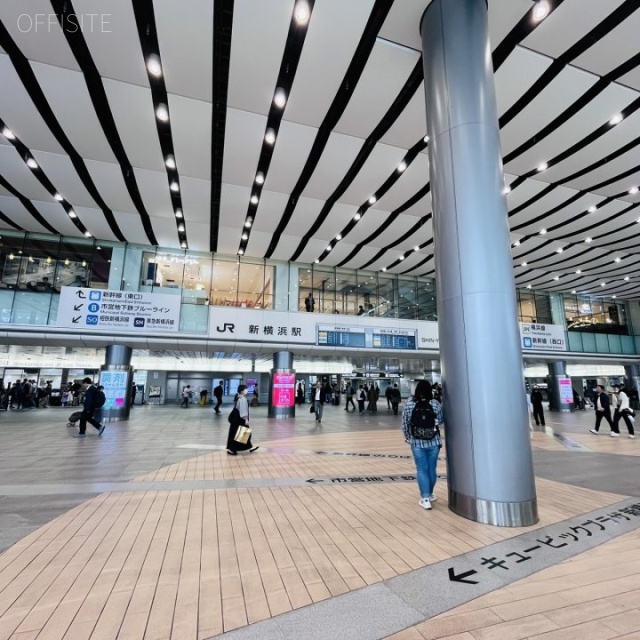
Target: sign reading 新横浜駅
x,y
136,311
542,337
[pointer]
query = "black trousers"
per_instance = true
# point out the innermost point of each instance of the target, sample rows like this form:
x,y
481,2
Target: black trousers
x,y
218,404
538,414
607,416
87,416
616,422
350,400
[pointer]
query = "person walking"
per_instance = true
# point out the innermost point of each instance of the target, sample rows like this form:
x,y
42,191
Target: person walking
x,y
349,393
319,398
239,418
603,410
300,394
421,419
395,399
309,303
622,410
92,401
372,397
218,393
387,395
186,394
536,403
362,397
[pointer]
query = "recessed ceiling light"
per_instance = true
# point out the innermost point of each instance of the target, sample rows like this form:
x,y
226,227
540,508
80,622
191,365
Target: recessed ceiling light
x,y
588,240
384,268
162,112
72,214
87,234
180,228
184,245
633,190
178,213
8,134
557,278
302,13
280,98
416,248
240,252
528,286
524,264
245,236
617,119
254,199
317,261
339,236
506,190
58,197
401,258
329,247
617,259
516,243
425,139
153,65
560,250
175,186
626,278
593,209
614,297
247,224
170,162
31,163
603,284
259,177
578,271
373,200
543,232
402,166
573,291
357,217
541,10
270,136
543,166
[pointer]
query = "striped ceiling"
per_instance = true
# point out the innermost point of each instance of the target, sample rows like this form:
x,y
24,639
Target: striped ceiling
x,y
197,150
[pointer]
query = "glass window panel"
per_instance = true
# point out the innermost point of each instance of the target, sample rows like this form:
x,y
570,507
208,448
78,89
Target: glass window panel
x,y
224,283
6,304
407,298
346,292
526,307
251,289
543,308
367,293
305,285
387,296
426,296
324,289
30,308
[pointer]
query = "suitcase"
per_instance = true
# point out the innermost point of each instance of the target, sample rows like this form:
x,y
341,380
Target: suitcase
x,y
73,418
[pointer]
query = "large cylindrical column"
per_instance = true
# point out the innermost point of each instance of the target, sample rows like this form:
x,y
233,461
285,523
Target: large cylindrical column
x,y
282,394
560,390
490,468
116,376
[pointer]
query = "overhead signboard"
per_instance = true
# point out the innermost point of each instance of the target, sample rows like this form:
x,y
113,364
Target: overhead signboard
x,y
366,337
133,311
542,337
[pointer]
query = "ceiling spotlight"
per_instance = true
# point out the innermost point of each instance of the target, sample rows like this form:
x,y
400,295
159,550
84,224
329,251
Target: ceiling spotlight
x,y
588,240
153,65
626,278
302,13
162,112
317,262
528,286
240,252
603,284
339,236
175,186
247,224
329,248
516,243
357,217
506,190
178,213
87,234
245,236
254,199
617,119
416,248
72,214
184,245
259,177
614,297
542,167
617,259
425,139
373,200
401,258
543,232
270,136
578,271
541,10
632,191
557,278
593,209
170,161
280,98
574,291
524,264
58,197
560,250
180,228
402,166
31,163
384,268
8,134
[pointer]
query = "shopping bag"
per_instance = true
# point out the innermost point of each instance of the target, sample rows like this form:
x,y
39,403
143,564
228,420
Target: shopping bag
x,y
312,409
242,435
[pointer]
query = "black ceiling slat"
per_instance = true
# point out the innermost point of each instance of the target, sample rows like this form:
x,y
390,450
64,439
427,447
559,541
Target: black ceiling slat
x,y
393,112
222,35
75,39
338,106
597,224
538,196
30,82
28,205
559,207
5,218
613,20
396,241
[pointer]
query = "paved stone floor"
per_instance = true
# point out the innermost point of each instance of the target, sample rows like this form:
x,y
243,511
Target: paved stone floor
x,y
152,531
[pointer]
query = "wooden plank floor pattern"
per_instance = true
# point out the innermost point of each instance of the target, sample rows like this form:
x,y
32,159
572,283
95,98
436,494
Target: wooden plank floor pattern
x,y
187,565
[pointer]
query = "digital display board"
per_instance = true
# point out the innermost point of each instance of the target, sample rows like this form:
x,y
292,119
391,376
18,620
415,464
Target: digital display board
x,y
390,341
367,337
339,338
284,385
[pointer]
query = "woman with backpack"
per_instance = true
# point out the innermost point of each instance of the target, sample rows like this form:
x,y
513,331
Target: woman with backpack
x,y
420,420
239,417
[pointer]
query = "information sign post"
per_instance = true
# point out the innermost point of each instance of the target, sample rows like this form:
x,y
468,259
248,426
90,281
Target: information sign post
x,y
282,394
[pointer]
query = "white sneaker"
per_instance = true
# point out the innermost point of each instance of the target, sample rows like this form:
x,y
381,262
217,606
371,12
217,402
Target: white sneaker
x,y
433,498
613,434
593,431
631,435
425,504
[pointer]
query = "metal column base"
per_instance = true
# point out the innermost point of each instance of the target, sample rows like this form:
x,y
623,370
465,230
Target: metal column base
x,y
501,514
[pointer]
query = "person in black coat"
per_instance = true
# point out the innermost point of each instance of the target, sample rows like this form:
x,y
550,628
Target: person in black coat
x,y
91,402
603,410
536,403
218,392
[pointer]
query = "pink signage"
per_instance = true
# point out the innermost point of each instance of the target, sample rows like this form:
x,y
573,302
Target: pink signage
x,y
284,385
566,391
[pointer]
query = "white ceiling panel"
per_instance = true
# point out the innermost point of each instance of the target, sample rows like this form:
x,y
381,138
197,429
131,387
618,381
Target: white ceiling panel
x,y
16,172
131,226
631,79
411,126
414,178
256,53
199,236
364,255
13,209
258,243
569,85
371,223
614,49
304,215
321,68
289,156
191,135
97,224
68,97
228,240
285,244
621,187
528,189
580,206
196,200
338,218
379,166
154,190
115,49
337,254
234,201
20,114
338,155
386,73
403,23
568,24
59,169
110,185
270,209
503,16
166,232
188,71
313,249
242,146
57,217
134,115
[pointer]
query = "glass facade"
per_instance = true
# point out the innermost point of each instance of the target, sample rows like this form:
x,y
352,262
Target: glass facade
x,y
33,267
